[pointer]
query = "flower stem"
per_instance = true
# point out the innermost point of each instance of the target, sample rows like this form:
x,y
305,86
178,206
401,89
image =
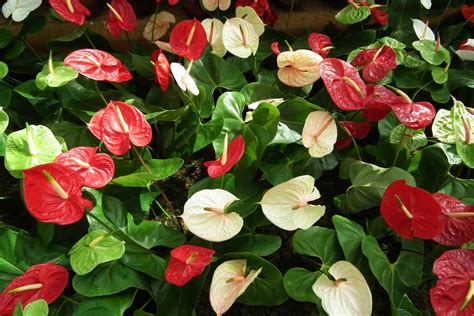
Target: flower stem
x,y
399,146
99,92
66,298
89,39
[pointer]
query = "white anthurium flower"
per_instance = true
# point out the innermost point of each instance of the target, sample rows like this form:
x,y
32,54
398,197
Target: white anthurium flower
x,y
212,5
240,38
214,29
426,4
249,15
184,79
422,30
319,133
204,215
298,68
274,102
228,283
348,294
19,9
466,50
158,25
286,205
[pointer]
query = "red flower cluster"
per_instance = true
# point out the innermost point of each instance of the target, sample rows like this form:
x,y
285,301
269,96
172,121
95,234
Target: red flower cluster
x,y
70,10
187,262
320,44
162,69
229,158
358,130
121,17
44,281
262,8
188,39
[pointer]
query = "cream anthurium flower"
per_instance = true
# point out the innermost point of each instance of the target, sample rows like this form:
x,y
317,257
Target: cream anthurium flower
x,y
298,68
19,9
274,102
165,46
348,294
158,25
212,5
214,28
286,205
319,133
240,38
228,283
183,78
422,30
249,15
426,4
204,215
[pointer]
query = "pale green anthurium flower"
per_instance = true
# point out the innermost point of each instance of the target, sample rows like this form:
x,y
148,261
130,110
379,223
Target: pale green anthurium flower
x,y
212,5
184,79
240,38
319,133
466,54
204,215
286,205
214,29
348,294
422,30
228,283
249,15
298,68
158,25
426,4
19,9
442,127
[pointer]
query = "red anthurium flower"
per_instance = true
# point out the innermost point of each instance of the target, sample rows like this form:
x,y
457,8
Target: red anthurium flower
x,y
187,262
98,65
231,155
414,115
276,48
44,281
378,101
358,130
162,69
320,44
411,212
70,10
464,45
96,170
343,83
119,125
379,15
188,39
170,2
377,62
468,12
121,17
260,6
459,228
269,17
453,293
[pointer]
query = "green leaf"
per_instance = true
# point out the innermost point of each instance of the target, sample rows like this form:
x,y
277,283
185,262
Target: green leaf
x,y
298,284
5,37
4,121
439,75
258,244
45,232
144,261
433,167
33,24
74,135
93,249
207,133
293,113
29,147
457,187
460,78
3,70
14,49
351,15
407,308
431,53
285,135
60,76
36,308
142,65
412,139
257,91
106,305
135,180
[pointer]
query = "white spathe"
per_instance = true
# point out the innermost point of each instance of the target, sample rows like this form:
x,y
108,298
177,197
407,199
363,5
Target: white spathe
x,y
214,29
319,133
205,217
158,25
426,4
286,205
349,294
228,283
249,15
19,9
212,5
184,79
240,38
466,54
422,30
273,101
298,68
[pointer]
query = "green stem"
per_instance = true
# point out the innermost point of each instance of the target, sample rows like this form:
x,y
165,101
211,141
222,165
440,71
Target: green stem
x,y
421,88
32,49
154,22
129,42
289,16
101,222
399,146
66,298
89,39
356,148
96,84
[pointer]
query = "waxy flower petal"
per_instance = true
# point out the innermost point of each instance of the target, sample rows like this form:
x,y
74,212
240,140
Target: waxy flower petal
x,y
468,12
121,17
376,62
184,79
240,38
426,4
187,262
225,162
348,294
162,69
422,30
298,68
358,130
465,50
260,6
188,39
319,133
416,115
19,9
228,283
158,25
96,170
320,44
214,29
286,205
204,215
379,15
44,281
212,5
378,102
70,10
411,212
249,15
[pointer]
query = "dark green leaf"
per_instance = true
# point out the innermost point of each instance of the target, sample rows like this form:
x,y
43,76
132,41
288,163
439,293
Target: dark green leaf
x,y
298,284
106,305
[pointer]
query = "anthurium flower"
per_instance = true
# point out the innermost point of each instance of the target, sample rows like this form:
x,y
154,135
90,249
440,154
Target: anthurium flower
x,y
44,281
249,15
319,133
204,215
19,9
53,194
170,2
286,205
414,115
184,79
348,294
275,102
275,48
158,25
162,69
121,17
459,219
240,38
453,293
379,15
298,68
214,28
465,50
468,12
343,83
188,39
187,262
212,5
426,4
231,155
119,125
376,62
378,102
260,6
98,65
70,10
230,280
411,212
358,130
422,30
320,44
96,170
